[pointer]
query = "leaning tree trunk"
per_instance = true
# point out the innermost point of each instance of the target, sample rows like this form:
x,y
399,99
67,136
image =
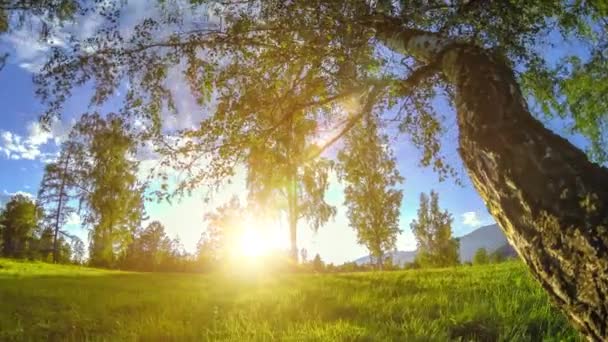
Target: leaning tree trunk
x,y
548,198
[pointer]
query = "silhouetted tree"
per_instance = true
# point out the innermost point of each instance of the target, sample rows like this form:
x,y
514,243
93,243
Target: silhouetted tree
x,y
224,226
317,264
43,246
303,255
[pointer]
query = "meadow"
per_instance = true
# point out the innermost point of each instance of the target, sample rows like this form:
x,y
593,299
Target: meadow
x,y
498,302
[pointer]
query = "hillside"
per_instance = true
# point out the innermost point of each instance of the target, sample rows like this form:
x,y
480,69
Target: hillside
x,y
398,257
489,237
43,302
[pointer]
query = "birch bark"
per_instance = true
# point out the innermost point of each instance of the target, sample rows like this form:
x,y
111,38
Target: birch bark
x,y
548,198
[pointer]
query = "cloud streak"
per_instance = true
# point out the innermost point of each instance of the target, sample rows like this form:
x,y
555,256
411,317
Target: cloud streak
x,y
471,219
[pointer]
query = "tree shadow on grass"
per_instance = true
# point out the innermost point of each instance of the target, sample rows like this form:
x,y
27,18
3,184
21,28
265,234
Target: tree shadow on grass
x,y
480,330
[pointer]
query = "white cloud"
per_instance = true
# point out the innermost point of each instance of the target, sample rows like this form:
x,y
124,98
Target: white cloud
x,y
5,196
27,49
30,52
15,147
471,219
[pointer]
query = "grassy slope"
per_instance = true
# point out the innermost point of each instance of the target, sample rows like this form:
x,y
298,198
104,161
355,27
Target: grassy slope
x,y
498,302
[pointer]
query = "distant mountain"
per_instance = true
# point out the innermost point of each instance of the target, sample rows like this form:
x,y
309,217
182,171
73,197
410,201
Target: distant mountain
x,y
399,257
507,251
489,237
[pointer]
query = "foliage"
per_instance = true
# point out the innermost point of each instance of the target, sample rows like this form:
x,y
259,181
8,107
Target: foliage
x,y
74,304
59,189
282,176
481,257
317,264
340,49
19,222
150,250
367,166
113,197
301,58
78,250
433,232
42,15
223,228
497,257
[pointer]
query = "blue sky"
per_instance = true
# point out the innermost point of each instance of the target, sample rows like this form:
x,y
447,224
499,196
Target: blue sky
x,y
24,148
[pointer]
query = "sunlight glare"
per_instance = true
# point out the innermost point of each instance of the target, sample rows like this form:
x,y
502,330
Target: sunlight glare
x,y
258,240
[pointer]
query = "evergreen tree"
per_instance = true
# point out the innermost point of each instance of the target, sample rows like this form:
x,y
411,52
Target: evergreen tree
x,y
59,188
369,170
433,232
150,249
317,264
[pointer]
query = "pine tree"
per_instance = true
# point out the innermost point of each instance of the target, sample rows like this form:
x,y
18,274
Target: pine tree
x,y
59,188
149,250
317,263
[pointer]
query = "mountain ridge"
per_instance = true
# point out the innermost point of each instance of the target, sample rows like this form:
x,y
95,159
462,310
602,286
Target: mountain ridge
x,y
489,237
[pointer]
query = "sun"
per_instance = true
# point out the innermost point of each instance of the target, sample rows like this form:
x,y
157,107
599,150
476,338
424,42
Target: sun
x,y
257,239
252,244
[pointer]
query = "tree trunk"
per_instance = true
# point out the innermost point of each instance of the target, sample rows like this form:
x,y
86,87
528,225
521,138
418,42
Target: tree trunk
x,y
293,217
548,198
292,194
380,261
59,208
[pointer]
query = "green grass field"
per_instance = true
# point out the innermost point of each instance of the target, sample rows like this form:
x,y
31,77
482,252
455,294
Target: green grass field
x,y
63,303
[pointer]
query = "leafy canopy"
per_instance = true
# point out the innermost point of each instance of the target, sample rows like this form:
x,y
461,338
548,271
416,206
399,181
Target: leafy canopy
x,y
251,64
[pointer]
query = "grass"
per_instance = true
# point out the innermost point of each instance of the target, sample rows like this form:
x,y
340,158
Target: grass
x,y
66,303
